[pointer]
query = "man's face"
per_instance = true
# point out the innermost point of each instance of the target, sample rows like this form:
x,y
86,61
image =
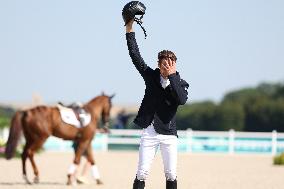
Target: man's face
x,y
163,70
167,66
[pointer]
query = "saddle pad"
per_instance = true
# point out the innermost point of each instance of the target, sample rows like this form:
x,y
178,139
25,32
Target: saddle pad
x,y
68,116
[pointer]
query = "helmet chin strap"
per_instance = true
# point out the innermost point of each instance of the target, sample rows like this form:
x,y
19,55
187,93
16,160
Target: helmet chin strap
x,y
139,21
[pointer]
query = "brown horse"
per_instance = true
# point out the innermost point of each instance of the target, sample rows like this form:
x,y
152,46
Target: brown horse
x,y
42,121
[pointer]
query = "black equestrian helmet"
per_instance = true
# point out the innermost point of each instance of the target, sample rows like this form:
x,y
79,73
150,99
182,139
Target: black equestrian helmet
x,y
131,9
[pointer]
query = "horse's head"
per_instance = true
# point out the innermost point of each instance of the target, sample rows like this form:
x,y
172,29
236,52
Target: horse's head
x,y
101,106
105,114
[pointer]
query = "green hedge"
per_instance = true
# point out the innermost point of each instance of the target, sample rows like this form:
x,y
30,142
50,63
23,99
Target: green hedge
x,y
279,160
4,121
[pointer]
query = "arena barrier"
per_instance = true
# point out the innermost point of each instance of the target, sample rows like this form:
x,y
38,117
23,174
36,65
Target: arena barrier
x,y
190,141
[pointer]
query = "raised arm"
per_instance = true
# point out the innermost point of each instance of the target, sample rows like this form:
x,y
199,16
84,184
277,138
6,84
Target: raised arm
x,y
133,49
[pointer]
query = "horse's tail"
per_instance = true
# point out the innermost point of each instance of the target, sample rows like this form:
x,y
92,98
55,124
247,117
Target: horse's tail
x,y
14,135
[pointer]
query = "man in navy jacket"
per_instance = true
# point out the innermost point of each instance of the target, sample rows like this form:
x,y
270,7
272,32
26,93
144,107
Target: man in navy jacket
x,y
164,92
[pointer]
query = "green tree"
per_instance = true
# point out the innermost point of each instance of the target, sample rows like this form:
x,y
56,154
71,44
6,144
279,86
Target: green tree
x,y
197,116
230,115
4,122
6,114
265,115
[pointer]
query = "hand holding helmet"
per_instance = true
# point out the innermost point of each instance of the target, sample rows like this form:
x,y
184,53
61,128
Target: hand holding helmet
x,y
129,26
130,10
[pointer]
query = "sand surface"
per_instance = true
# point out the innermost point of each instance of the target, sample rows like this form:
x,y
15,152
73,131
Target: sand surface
x,y
195,171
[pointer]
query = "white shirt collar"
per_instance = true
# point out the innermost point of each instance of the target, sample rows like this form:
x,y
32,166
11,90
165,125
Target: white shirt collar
x,y
164,82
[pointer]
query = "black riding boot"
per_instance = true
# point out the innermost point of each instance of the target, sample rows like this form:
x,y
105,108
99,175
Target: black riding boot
x,y
171,184
138,184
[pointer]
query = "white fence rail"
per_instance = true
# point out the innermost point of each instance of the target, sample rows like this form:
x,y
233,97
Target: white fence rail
x,y
189,141
264,142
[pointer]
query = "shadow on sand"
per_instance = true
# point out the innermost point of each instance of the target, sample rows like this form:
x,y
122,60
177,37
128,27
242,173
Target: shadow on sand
x,y
23,183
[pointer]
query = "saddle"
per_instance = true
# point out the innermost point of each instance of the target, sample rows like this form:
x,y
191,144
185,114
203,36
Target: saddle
x,y
74,114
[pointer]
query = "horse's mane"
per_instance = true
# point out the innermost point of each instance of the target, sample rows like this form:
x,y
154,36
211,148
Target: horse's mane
x,y
94,100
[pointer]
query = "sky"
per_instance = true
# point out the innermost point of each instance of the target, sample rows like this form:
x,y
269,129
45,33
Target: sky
x,y
70,50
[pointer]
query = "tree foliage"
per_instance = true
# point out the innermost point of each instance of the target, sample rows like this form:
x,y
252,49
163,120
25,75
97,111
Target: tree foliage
x,y
6,114
248,109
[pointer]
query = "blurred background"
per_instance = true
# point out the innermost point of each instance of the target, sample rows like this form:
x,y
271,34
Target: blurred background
x,y
230,53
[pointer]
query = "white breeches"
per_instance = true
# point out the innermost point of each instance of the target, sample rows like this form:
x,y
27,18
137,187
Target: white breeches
x,y
150,141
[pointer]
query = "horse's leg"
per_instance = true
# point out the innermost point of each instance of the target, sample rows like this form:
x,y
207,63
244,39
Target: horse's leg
x,y
34,147
24,158
82,146
95,170
35,169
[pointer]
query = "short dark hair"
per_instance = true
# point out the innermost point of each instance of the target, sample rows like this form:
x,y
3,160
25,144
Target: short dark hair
x,y
167,54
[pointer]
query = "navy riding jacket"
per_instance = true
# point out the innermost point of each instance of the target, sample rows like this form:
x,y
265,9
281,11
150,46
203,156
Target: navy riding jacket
x,y
159,104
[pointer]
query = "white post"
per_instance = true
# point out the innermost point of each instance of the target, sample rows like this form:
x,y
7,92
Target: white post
x,y
189,133
62,144
105,143
5,134
1,134
231,141
274,143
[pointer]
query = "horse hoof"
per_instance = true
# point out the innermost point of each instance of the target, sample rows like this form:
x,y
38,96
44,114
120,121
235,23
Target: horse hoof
x,y
68,182
71,182
36,180
26,179
82,180
99,182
